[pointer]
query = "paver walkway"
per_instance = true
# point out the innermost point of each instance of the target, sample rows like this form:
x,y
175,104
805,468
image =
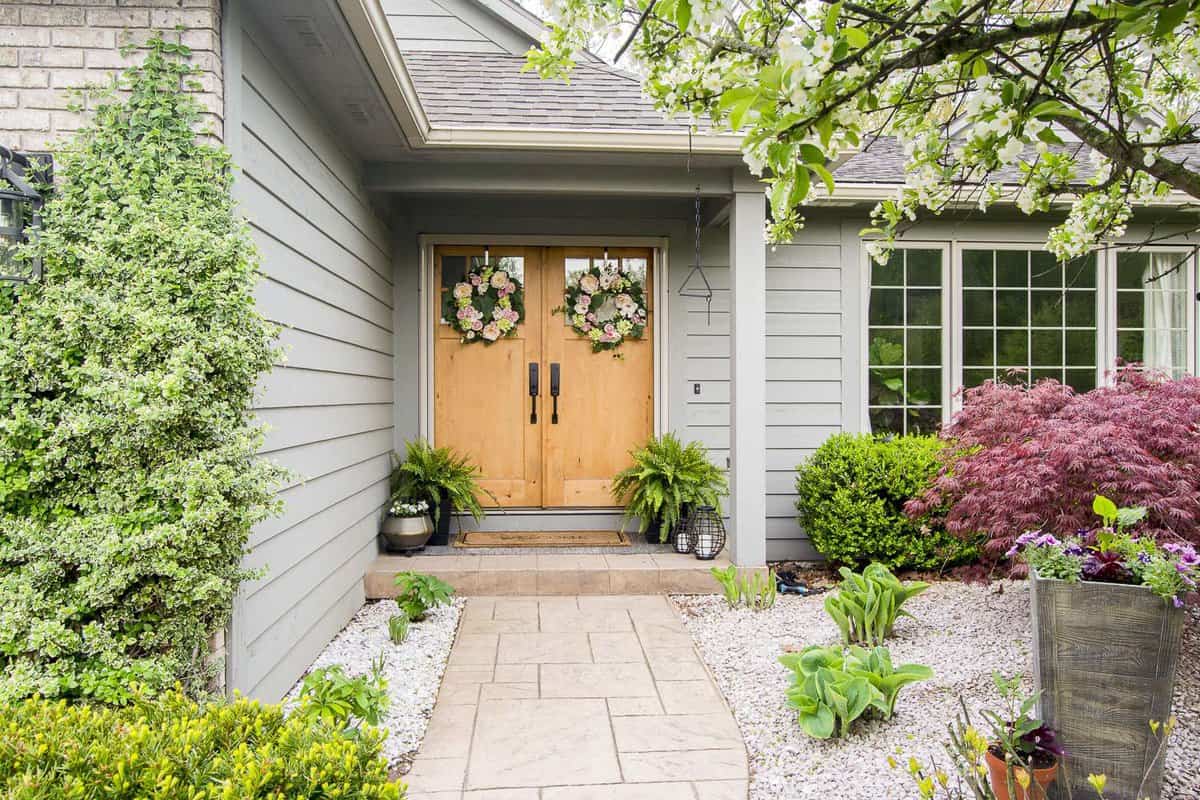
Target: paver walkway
x,y
577,698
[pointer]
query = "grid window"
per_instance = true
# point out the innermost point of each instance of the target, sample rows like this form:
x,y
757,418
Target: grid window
x,y
1022,310
1152,297
905,330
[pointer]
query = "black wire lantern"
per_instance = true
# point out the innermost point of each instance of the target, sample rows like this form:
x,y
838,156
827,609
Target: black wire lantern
x,y
707,532
681,537
20,216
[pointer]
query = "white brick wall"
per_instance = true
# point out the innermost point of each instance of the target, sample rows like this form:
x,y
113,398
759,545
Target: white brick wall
x,y
49,47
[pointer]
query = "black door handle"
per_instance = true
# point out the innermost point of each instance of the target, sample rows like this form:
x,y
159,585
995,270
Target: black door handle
x,y
533,392
555,386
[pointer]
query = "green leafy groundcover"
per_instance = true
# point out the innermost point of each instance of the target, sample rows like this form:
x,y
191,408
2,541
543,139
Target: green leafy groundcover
x,y
128,485
172,748
852,492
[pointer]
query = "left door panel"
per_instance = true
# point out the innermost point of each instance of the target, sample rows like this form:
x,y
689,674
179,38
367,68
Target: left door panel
x,y
482,400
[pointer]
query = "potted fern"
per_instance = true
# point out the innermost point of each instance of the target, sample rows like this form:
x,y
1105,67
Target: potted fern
x,y
666,477
443,479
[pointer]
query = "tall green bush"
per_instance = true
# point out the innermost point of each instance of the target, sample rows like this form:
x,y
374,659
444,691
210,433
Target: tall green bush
x,y
852,492
128,483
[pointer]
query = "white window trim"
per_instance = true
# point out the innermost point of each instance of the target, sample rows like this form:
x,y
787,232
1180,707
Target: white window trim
x,y
952,310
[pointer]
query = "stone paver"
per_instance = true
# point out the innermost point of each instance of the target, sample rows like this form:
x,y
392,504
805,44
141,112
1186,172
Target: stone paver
x,y
578,698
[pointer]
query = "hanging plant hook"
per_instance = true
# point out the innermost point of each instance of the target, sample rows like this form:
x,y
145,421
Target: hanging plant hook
x,y
702,289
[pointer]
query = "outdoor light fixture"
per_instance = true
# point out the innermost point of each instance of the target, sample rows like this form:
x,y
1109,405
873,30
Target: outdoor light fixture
x,y
20,216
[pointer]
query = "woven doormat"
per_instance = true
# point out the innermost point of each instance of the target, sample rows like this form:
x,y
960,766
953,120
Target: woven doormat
x,y
542,539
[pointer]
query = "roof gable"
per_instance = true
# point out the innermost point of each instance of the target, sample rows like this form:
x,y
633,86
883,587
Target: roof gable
x,y
461,26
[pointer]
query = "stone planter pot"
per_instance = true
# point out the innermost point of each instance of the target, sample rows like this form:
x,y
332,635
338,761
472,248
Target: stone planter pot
x,y
405,534
1104,661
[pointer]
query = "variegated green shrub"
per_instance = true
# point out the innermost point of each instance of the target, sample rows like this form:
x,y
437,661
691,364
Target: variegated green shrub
x,y
173,748
128,483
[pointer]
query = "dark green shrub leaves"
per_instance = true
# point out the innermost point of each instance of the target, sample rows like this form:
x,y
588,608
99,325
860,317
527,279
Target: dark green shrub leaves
x,y
852,494
128,485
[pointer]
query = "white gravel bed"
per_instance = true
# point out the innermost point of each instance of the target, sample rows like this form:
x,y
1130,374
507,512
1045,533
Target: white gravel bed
x,y
1181,775
963,632
413,668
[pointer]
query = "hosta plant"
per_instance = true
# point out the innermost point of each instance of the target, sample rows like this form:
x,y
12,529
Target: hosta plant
x,y
832,687
666,476
866,606
419,593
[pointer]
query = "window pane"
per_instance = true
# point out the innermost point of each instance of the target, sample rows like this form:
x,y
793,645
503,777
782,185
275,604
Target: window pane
x,y
886,348
1012,348
1012,308
977,307
975,377
925,420
924,267
978,347
977,268
513,265
1080,273
887,307
636,268
1130,269
889,274
1081,309
1047,348
454,268
1081,349
924,306
1044,271
905,340
1012,268
1081,380
1042,374
925,346
1129,346
1129,310
1046,309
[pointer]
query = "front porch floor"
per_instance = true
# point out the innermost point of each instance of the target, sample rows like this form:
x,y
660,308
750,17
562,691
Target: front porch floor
x,y
542,573
577,698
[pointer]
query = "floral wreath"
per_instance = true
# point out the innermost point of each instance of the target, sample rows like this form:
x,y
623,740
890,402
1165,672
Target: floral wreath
x,y
485,305
607,305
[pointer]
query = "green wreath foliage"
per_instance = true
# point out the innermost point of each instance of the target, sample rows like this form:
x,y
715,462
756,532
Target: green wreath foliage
x,y
128,480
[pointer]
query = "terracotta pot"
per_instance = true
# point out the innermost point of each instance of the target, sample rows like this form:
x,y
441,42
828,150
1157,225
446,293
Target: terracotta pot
x,y
1042,778
405,534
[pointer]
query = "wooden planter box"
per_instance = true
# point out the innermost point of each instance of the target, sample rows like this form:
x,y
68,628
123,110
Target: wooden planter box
x,y
1105,663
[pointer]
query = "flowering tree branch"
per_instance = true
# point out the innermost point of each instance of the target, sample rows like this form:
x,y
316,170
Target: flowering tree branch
x,y
980,94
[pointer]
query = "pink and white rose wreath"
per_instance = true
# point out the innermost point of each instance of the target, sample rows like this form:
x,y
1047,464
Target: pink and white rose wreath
x,y
486,305
606,304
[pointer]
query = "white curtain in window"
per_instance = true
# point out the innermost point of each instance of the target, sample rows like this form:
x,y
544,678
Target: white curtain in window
x,y
1165,307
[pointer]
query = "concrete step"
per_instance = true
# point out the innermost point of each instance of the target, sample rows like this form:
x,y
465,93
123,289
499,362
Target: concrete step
x,y
553,573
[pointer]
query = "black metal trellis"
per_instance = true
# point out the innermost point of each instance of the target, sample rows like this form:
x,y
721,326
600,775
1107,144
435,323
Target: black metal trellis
x,y
20,213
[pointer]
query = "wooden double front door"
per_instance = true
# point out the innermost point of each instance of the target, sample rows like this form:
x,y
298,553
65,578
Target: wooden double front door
x,y
548,421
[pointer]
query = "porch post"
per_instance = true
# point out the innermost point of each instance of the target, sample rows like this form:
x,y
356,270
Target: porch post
x,y
748,379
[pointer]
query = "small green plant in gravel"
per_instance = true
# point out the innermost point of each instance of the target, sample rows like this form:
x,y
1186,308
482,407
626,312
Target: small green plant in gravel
x,y
867,606
330,695
398,628
755,590
419,593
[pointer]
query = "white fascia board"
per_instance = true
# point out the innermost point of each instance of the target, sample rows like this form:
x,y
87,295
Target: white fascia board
x,y
854,192
371,30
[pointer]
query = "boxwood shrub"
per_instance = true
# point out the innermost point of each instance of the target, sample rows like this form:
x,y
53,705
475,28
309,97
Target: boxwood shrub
x,y
128,480
852,495
173,748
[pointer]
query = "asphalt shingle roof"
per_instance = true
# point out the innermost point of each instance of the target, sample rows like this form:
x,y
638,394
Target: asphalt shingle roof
x,y
481,90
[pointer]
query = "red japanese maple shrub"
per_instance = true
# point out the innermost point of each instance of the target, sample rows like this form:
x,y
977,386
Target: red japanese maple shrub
x,y
1027,458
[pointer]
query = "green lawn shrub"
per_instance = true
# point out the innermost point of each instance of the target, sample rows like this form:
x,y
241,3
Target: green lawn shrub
x,y
852,492
128,477
173,748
